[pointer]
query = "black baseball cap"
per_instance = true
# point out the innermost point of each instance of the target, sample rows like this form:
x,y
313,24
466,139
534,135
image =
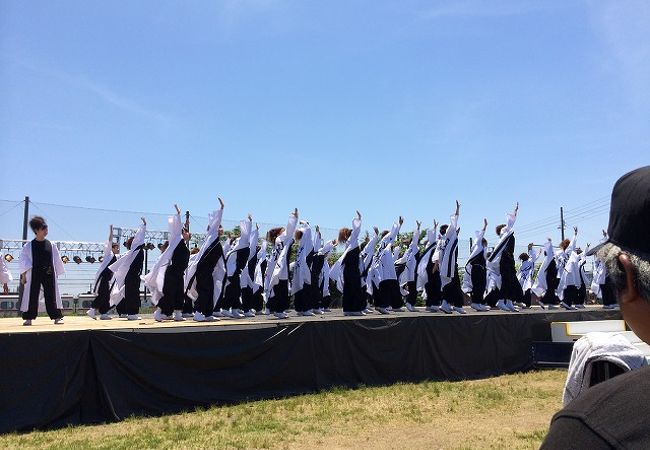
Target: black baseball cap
x,y
629,213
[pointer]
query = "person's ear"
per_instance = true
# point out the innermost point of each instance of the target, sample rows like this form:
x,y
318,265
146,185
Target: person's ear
x,y
625,264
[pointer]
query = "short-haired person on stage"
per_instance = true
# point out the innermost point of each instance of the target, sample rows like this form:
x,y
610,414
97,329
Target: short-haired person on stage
x,y
613,414
525,274
452,293
409,261
474,279
567,265
199,279
102,288
346,271
321,285
582,276
40,266
127,270
165,281
502,275
546,283
277,273
5,275
427,280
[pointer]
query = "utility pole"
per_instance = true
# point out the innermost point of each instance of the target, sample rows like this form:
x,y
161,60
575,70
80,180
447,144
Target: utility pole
x,y
562,225
25,218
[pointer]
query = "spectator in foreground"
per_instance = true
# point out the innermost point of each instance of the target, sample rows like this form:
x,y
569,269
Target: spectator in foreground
x,y
613,414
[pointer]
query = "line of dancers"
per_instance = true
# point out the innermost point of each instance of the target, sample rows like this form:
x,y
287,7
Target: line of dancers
x,y
250,275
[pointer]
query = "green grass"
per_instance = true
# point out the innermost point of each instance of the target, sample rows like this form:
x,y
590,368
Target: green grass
x,y
511,411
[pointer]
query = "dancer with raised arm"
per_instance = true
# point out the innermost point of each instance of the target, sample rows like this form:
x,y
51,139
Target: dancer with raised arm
x,y
166,279
346,271
235,262
277,272
389,296
199,280
546,283
127,270
428,275
452,293
525,274
501,272
301,288
101,302
408,275
475,274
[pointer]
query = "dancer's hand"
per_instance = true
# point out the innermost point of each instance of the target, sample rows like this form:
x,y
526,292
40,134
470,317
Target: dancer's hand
x,y
220,202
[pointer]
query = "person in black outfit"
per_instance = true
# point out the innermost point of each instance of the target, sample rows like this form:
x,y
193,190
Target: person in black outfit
x,y
173,284
613,414
204,304
46,265
102,289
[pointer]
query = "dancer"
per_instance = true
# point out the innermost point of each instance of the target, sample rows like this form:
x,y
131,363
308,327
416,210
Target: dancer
x,y
365,258
601,285
5,275
568,272
448,266
582,276
525,274
101,302
166,279
247,277
301,288
260,276
276,285
199,280
235,261
408,275
546,283
127,272
346,271
475,274
389,296
427,280
502,275
40,266
321,286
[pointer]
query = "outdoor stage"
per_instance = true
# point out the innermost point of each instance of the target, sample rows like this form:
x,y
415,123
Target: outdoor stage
x,y
90,371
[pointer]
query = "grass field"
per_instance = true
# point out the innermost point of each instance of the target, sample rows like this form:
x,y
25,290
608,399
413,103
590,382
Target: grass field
x,y
511,411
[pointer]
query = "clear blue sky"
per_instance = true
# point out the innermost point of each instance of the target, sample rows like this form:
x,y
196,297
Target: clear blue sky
x,y
386,107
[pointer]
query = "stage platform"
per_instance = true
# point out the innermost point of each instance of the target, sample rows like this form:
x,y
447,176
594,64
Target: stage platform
x,y
88,371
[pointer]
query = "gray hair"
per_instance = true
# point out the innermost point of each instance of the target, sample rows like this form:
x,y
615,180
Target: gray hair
x,y
640,265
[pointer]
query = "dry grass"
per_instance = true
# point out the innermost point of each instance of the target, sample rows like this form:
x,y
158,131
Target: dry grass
x,y
511,411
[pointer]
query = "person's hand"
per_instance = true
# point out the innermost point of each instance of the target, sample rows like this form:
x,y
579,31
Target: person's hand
x,y
257,226
604,234
435,224
400,220
295,213
317,229
5,288
549,239
575,230
144,222
516,208
457,207
418,223
333,241
221,202
250,218
530,246
23,279
485,224
178,210
358,215
376,230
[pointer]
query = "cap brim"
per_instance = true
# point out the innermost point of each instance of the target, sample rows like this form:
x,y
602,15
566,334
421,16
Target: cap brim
x,y
593,251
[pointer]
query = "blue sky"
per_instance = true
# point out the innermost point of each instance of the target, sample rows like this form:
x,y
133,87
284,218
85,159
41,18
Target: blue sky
x,y
386,107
